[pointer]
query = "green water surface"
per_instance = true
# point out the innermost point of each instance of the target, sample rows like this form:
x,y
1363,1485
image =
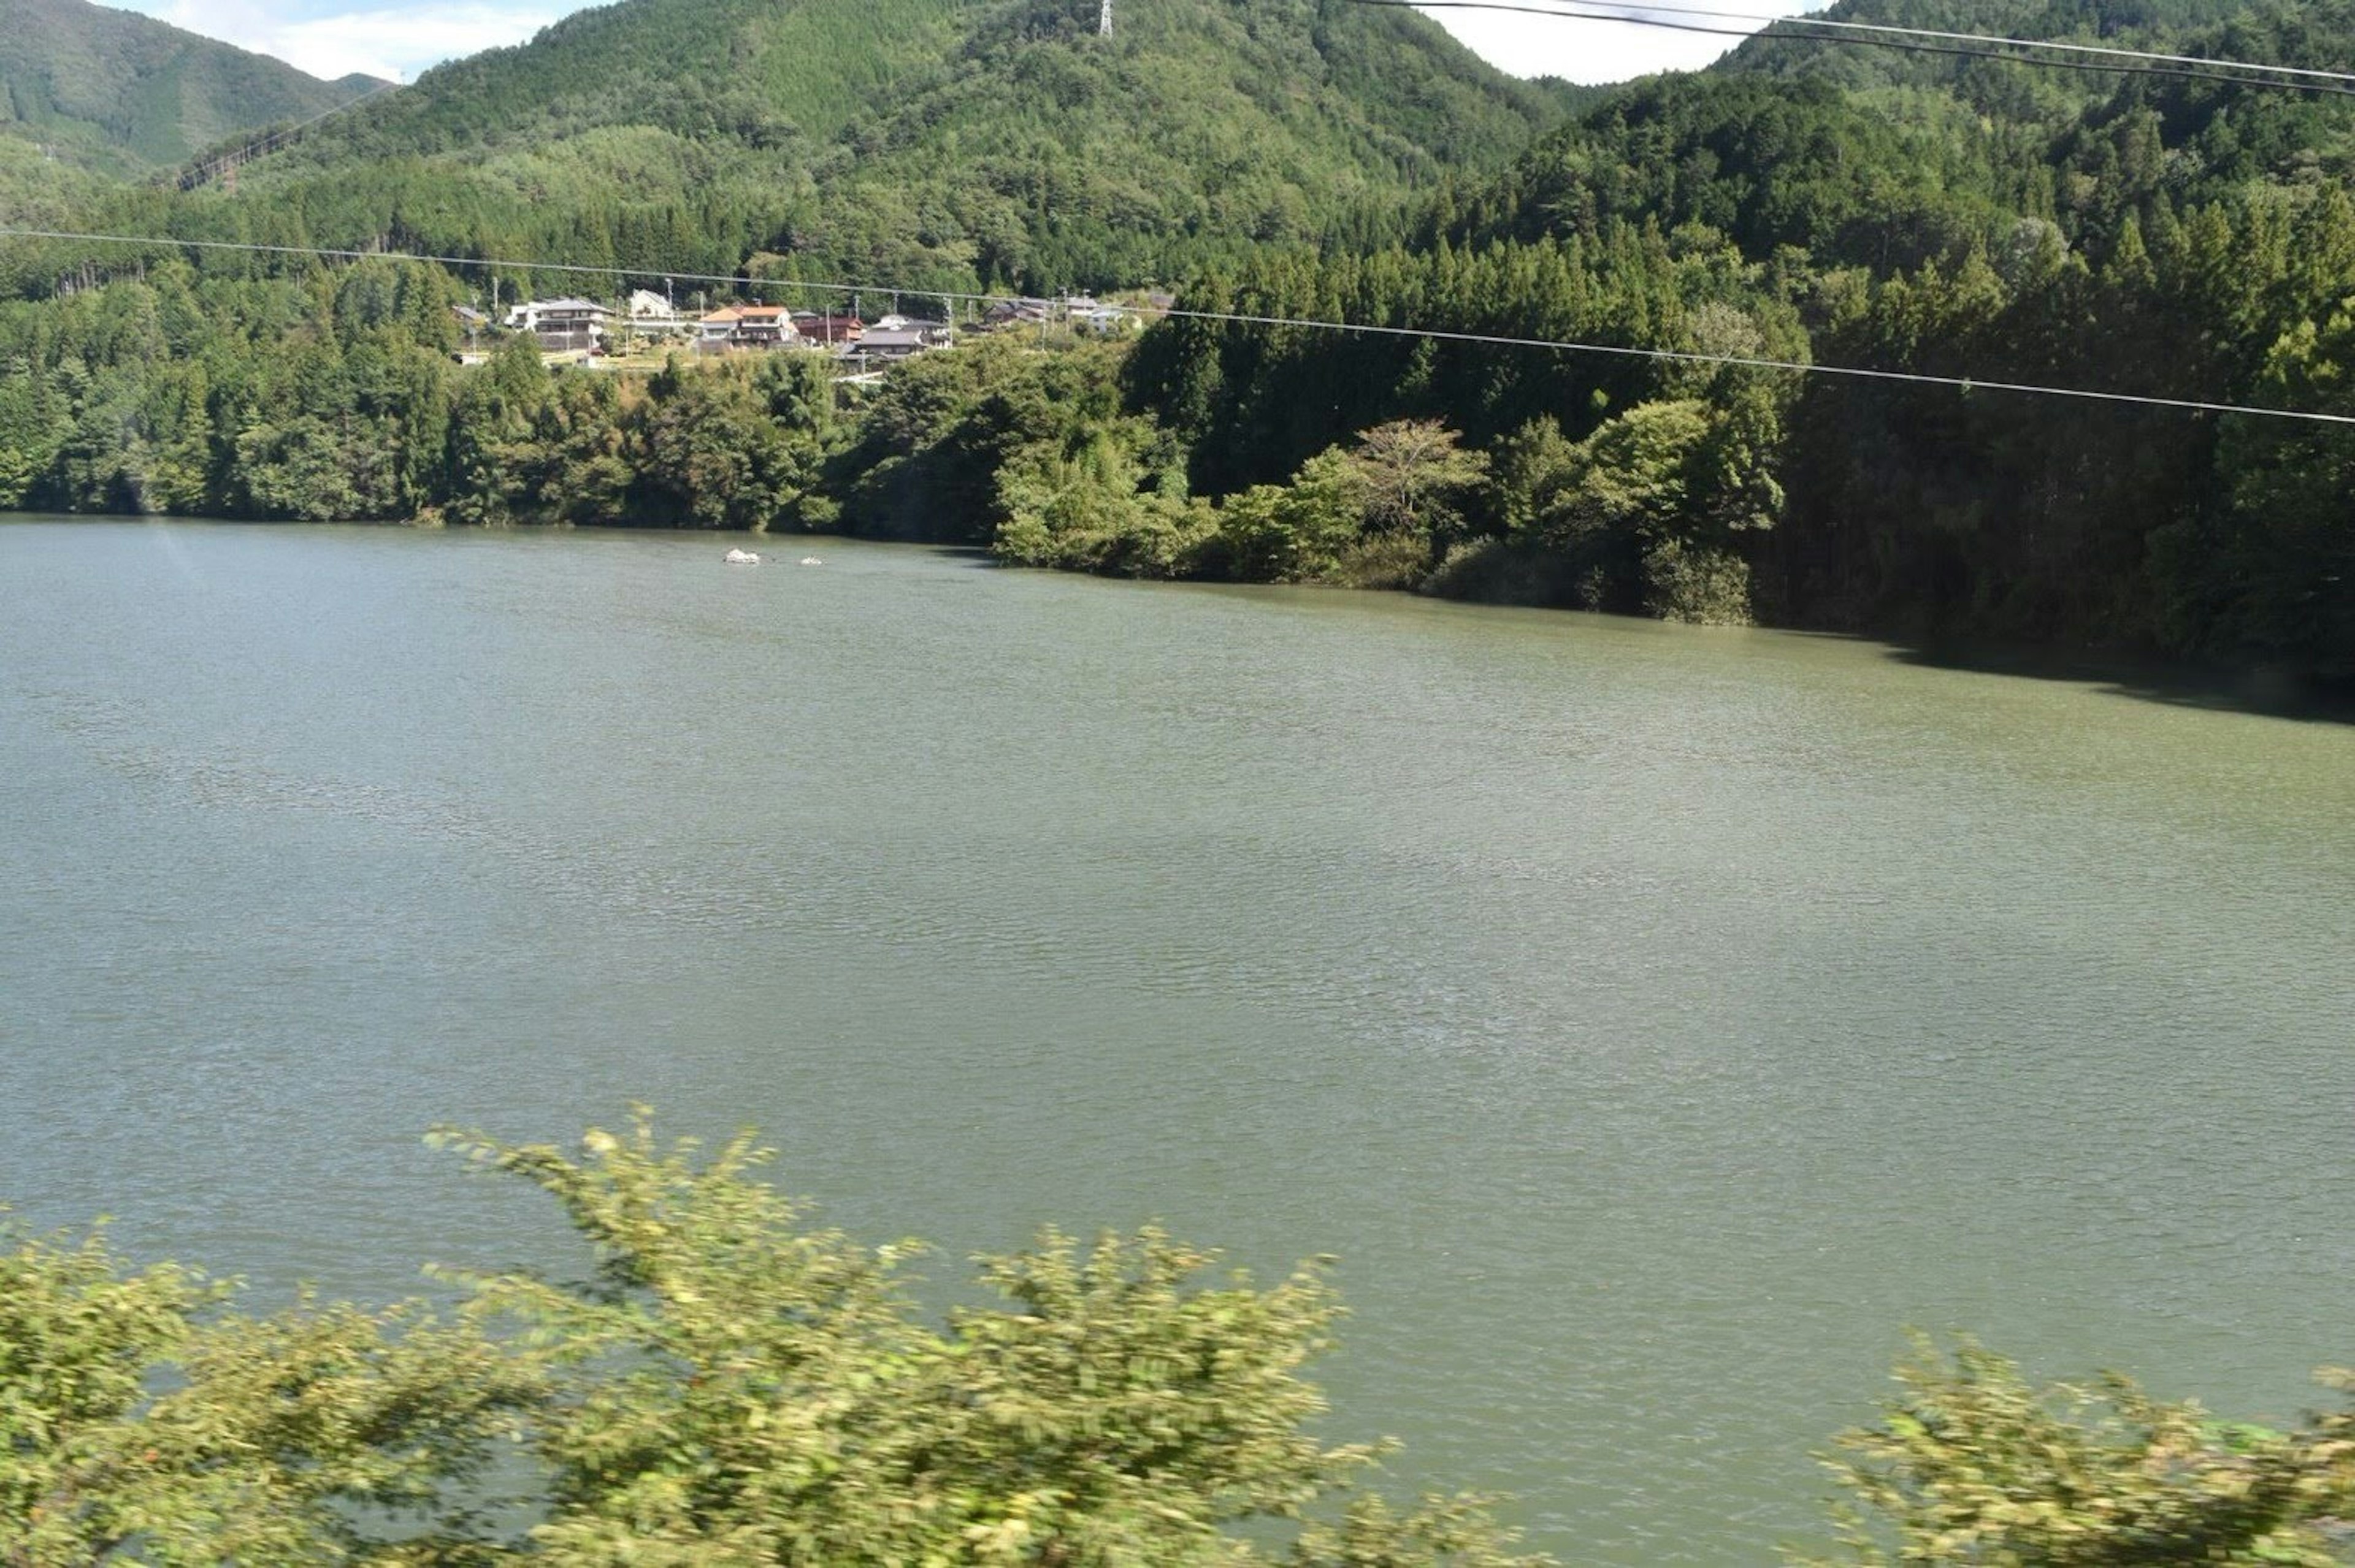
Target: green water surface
x,y
1654,1019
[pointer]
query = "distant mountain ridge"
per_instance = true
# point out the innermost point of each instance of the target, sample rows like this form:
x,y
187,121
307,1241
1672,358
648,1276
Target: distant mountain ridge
x,y
124,93
941,144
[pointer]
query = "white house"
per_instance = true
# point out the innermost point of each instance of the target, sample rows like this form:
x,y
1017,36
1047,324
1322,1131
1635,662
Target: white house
x,y
561,323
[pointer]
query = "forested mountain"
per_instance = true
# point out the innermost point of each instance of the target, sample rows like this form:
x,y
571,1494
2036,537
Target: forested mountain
x,y
2150,234
938,142
124,93
2162,235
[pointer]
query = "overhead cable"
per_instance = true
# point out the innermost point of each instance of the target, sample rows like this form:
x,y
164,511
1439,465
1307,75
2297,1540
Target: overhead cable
x,y
1778,28
1306,323
199,173
1812,20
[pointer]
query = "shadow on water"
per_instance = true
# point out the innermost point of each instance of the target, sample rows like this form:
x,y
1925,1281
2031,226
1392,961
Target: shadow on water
x,y
2270,693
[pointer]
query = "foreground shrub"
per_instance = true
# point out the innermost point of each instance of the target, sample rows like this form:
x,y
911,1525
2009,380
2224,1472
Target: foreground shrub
x,y
1972,1464
730,1387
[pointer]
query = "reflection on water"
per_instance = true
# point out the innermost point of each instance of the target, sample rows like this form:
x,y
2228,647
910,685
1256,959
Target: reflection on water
x,y
1654,1019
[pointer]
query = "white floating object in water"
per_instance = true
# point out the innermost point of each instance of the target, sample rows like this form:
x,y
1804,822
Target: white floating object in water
x,y
742,558
811,560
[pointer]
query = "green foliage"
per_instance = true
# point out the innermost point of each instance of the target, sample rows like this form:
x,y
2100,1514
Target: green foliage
x,y
1297,532
734,1386
1972,1464
2277,563
1695,583
1088,511
1631,476
958,446
711,451
141,1419
2143,235
1363,517
932,144
1862,209
1415,476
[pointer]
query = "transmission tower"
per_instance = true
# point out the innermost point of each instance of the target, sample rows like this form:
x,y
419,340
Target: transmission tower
x,y
1104,19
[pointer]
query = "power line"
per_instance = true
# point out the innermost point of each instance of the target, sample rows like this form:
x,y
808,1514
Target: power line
x,y
1804,19
1625,14
201,172
1436,334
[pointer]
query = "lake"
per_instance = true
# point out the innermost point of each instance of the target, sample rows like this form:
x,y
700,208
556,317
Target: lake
x,y
1655,1020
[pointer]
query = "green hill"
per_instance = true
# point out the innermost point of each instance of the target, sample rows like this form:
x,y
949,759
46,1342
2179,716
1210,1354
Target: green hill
x,y
123,93
934,142
1967,222
2162,235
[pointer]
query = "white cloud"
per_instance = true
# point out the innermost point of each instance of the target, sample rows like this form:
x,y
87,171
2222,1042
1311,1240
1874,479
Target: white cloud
x,y
395,44
1593,50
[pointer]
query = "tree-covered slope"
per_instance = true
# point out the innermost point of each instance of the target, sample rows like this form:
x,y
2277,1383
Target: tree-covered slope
x,y
1881,157
2157,235
1969,221
928,143
125,92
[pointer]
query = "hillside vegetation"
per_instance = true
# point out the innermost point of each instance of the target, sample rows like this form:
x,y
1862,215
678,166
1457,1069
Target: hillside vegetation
x,y
124,93
936,143
2146,234
1987,221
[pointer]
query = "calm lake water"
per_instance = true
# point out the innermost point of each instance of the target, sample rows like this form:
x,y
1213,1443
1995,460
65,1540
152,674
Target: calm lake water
x,y
1655,1020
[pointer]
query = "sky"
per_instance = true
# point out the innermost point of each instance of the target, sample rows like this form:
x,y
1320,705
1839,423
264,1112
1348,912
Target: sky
x,y
335,37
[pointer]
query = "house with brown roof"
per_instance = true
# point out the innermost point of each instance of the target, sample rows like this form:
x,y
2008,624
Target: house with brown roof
x,y
716,329
831,331
763,326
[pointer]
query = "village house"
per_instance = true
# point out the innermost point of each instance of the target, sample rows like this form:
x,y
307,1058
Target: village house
x,y
1018,313
747,326
888,344
830,331
1106,321
652,314
764,327
716,329
561,325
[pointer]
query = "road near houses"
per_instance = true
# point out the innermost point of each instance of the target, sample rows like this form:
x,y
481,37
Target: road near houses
x,y
574,330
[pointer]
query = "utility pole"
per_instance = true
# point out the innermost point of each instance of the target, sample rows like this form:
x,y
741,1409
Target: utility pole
x,y
1104,19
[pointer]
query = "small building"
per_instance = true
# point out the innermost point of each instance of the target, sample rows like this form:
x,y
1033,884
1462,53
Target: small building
x,y
746,326
763,326
651,315
1018,313
563,326
1106,321
887,343
830,331
717,330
